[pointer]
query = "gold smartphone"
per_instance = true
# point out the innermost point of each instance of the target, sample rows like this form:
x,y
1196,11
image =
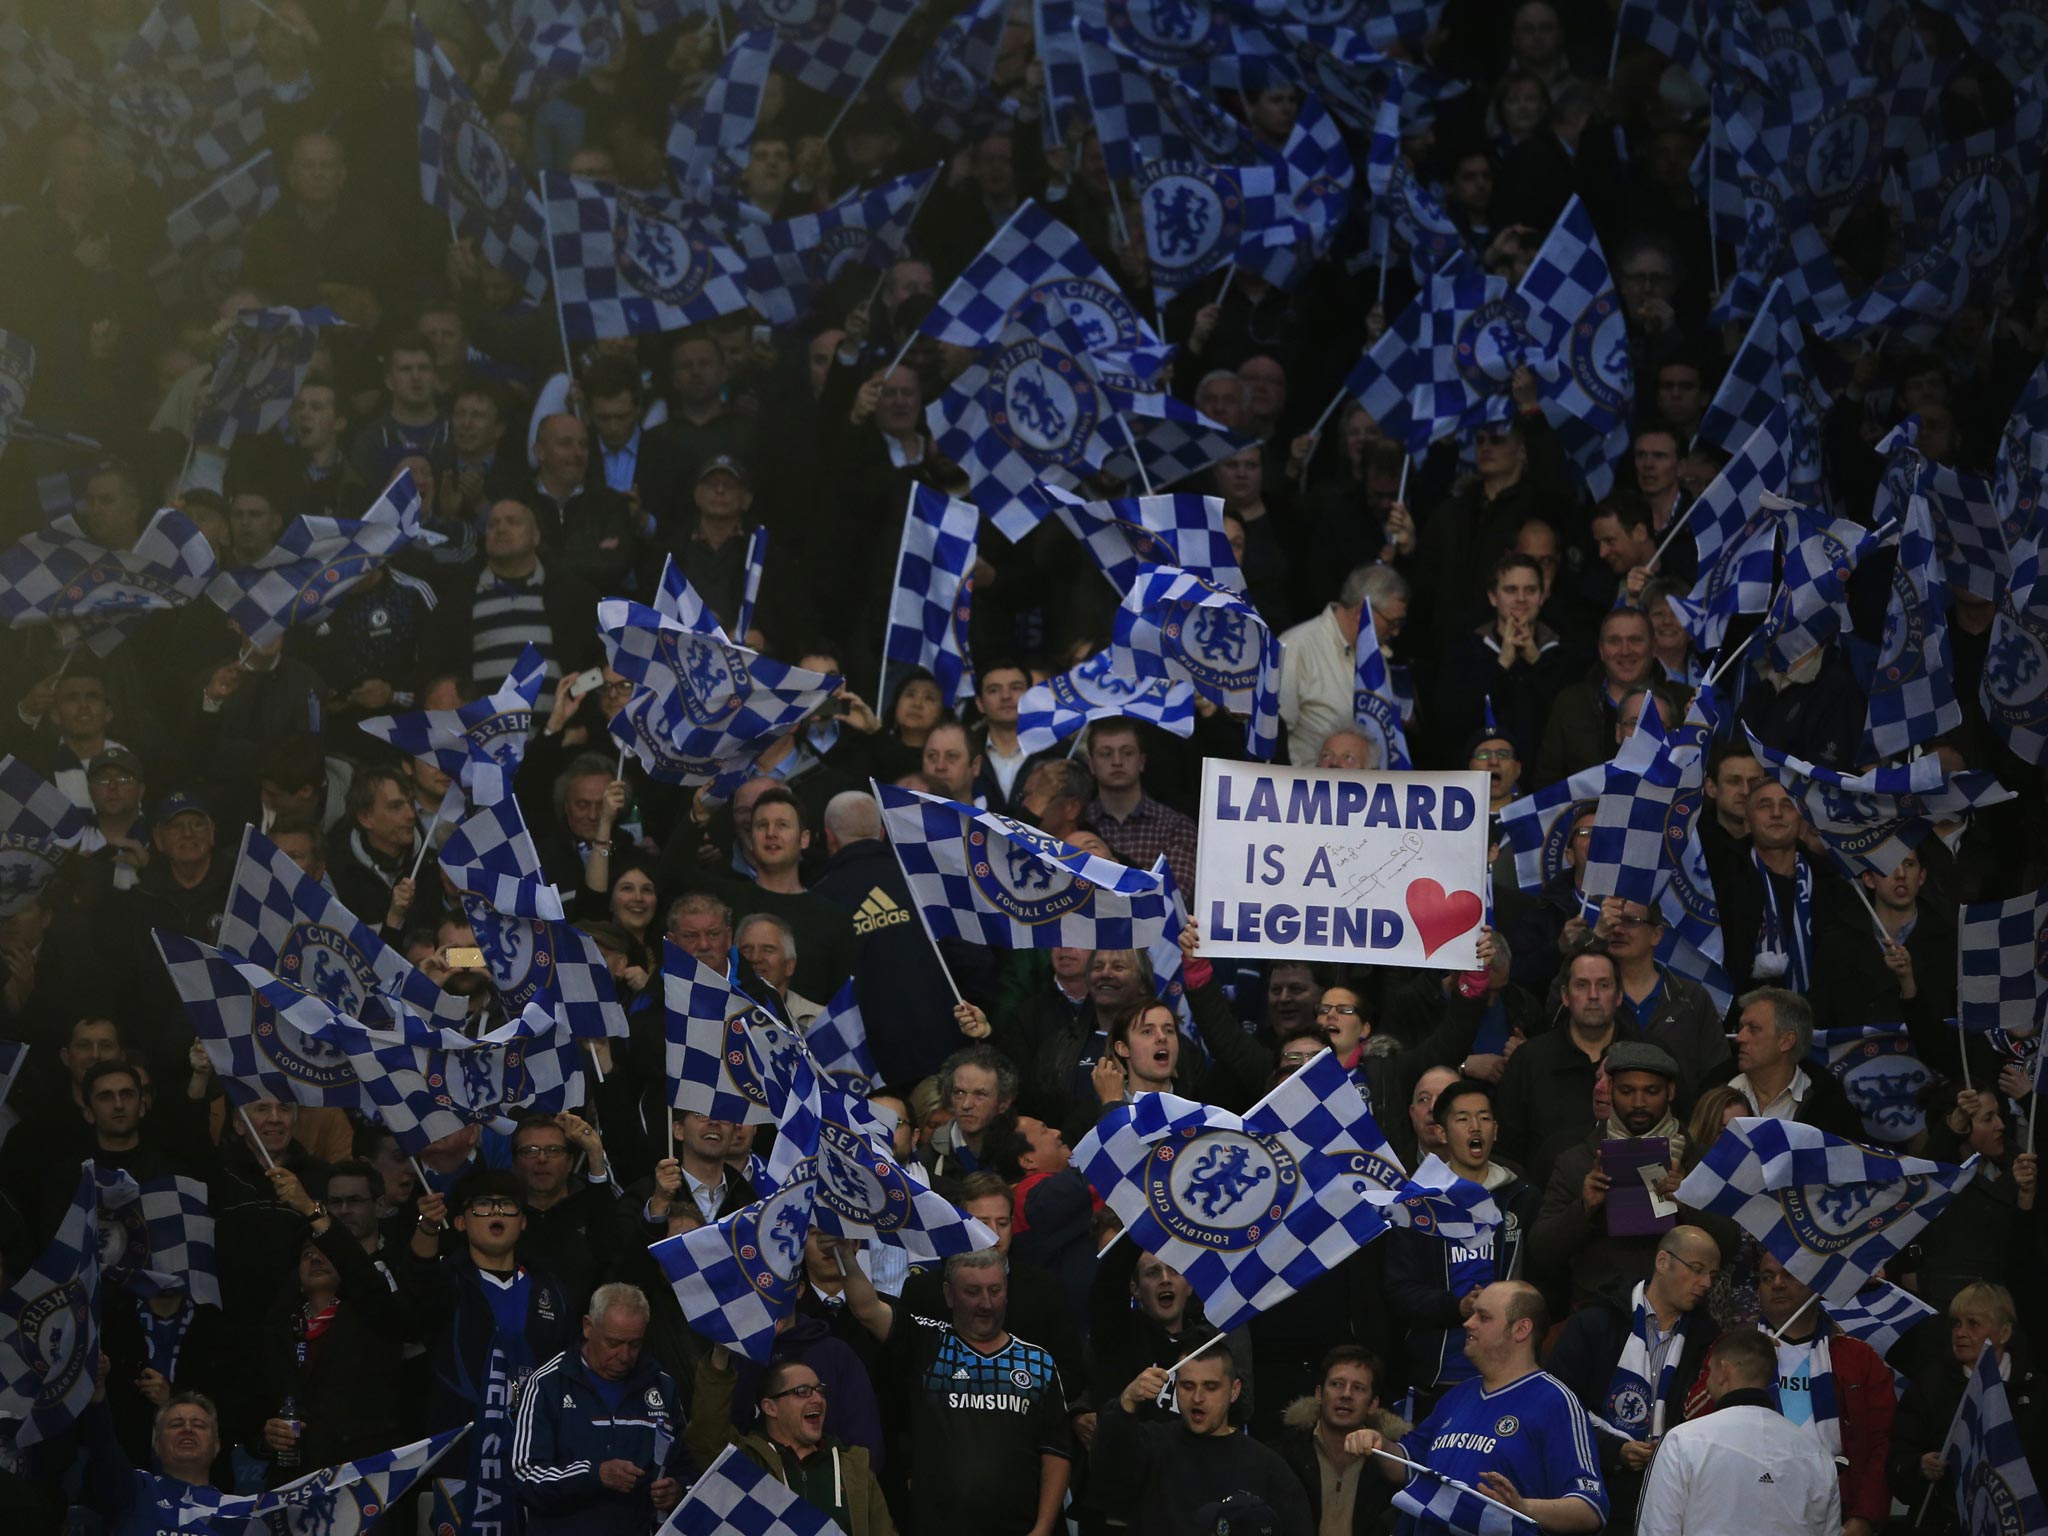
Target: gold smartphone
x,y
461,958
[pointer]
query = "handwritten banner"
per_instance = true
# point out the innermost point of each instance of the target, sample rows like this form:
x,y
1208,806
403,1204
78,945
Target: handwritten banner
x,y
1323,864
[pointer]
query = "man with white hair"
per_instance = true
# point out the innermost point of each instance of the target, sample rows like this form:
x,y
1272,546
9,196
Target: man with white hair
x,y
1319,658
186,1440
594,1448
768,944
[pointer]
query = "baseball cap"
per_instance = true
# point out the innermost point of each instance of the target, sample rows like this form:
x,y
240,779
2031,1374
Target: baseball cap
x,y
1640,1056
114,757
178,804
727,463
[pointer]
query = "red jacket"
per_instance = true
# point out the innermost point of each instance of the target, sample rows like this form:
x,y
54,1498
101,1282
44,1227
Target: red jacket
x,y
1865,1400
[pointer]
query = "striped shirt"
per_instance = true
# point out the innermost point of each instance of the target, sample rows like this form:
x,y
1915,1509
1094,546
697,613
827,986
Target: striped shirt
x,y
508,616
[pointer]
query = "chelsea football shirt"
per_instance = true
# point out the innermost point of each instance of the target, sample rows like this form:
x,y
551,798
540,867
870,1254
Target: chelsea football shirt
x,y
1532,1431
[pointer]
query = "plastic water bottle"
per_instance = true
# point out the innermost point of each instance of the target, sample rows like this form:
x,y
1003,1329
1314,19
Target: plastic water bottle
x,y
288,1410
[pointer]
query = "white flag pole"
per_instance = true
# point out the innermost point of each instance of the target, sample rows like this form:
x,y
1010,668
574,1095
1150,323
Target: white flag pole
x,y
1884,937
255,1140
547,209
1933,1487
916,905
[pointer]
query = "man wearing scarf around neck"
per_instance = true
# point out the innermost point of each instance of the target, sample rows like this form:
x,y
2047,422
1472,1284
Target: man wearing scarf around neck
x,y
1776,892
1630,1366
1835,1388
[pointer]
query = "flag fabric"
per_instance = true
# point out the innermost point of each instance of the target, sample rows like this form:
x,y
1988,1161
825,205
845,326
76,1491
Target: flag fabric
x,y
87,592
491,732
1374,707
1181,529
558,45
187,110
1882,1075
1625,854
284,921
675,598
1403,209
750,591
738,1278
736,1497
1803,46
1673,27
39,83
207,228
2010,34
1917,298
1202,217
2021,464
950,94
830,48
727,1058
156,1237
1436,1501
1735,532
315,563
1474,339
2015,686
990,879
709,141
1766,378
1174,625
1146,111
1537,828
471,177
1832,1212
627,263
12,1054
1580,347
50,1325
1811,605
1384,380
1676,782
1252,1208
2000,979
38,826
17,372
1034,252
2000,166
1911,695
1873,820
423,1092
713,704
1967,536
792,261
837,1040
1822,148
1096,689
349,1497
1995,1490
1316,178
931,604
257,372
1879,1315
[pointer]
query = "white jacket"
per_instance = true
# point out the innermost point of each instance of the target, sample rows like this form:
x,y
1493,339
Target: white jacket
x,y
1318,674
1738,1472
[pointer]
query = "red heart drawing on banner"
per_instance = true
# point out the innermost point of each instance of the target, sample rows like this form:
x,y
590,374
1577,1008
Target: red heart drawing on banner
x,y
1440,918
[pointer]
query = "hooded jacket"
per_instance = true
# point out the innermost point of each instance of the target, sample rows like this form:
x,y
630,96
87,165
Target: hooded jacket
x,y
1427,1278
1297,1447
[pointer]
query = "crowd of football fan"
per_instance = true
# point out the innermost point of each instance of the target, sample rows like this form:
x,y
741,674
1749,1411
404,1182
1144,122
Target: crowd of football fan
x,y
356,1303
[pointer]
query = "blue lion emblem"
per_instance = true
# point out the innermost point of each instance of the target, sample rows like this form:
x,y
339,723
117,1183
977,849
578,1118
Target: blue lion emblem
x,y
478,1091
787,1234
1026,871
316,1513
1843,1205
1180,220
1036,408
1222,1177
1175,20
332,983
1219,634
2014,662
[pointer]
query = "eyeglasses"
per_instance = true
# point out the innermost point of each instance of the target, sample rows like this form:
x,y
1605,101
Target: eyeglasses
x,y
1347,1010
1494,755
803,1392
1624,920
116,776
542,1152
494,1208
1704,1271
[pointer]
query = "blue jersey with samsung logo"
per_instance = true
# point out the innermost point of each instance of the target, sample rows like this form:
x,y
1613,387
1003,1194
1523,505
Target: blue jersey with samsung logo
x,y
1532,1431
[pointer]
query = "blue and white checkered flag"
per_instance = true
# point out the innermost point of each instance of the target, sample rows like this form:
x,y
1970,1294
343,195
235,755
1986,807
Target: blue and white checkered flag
x,y
156,1237
38,826
830,48
263,1035
491,732
1350,74
1435,1502
12,1054
792,261
728,1058
185,110
470,176
2001,165
1625,854
738,1278
283,920
257,372
1537,827
1437,1201
1882,1075
50,1325
37,83
1735,532
423,1092
1374,707
627,263
736,1497
750,589
2022,465
1316,176
1995,1491
1384,380
557,45
1967,537
1146,111
315,563
1095,689
1249,1208
1405,211
950,95
708,141
1873,820
1911,695
1200,218
714,704
1804,45
1474,339
1821,151
2011,34
1768,377
1880,1315
1033,252
992,880
1181,529
1998,955
1672,27
838,1042
1580,337
1833,1213
17,372
88,593
1811,605
1174,625
932,601
1917,298
350,1497
216,218
675,598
